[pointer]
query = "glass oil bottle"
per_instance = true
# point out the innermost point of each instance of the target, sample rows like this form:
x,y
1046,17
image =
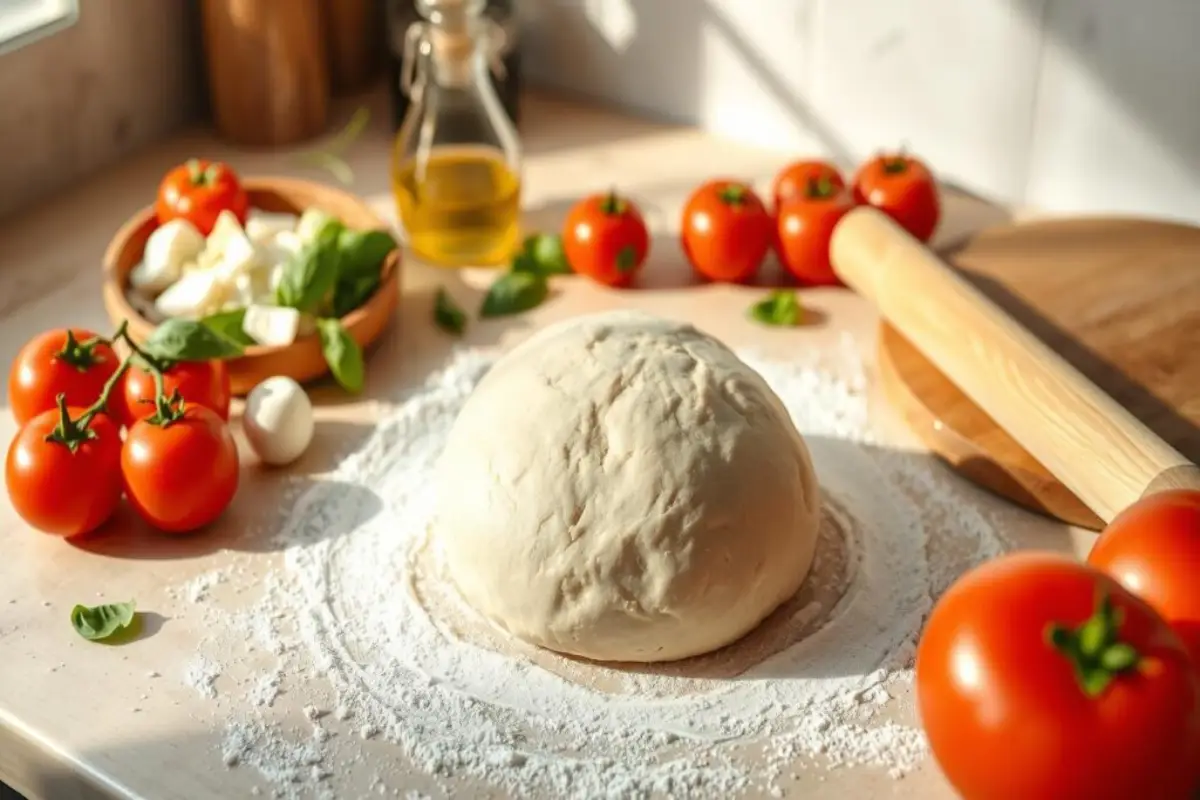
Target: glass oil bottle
x,y
456,160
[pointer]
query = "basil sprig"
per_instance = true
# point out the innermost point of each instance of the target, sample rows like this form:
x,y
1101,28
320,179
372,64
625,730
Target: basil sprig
x,y
97,623
780,308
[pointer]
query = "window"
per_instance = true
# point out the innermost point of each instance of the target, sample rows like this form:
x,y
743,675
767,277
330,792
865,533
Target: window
x,y
23,21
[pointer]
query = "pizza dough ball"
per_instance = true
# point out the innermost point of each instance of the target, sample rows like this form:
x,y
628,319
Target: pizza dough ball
x,y
624,488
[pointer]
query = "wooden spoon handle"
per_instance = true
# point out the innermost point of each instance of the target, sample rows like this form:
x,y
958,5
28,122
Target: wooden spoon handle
x,y
1093,445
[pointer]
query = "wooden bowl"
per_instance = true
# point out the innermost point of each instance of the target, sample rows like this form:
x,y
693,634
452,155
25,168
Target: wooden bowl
x,y
302,359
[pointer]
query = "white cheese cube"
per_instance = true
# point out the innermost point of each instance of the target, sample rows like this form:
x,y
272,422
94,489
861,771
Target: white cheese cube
x,y
310,224
263,226
193,295
225,228
271,326
240,256
168,248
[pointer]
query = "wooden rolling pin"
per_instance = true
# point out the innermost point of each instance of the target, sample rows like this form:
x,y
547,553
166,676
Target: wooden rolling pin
x,y
1097,449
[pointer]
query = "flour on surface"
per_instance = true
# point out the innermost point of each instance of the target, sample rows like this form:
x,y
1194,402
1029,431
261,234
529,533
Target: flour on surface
x,y
391,668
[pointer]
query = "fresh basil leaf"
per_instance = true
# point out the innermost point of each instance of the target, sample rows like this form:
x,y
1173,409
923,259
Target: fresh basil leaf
x,y
547,253
229,325
351,292
524,262
781,308
188,340
309,276
363,252
101,622
513,293
447,314
342,353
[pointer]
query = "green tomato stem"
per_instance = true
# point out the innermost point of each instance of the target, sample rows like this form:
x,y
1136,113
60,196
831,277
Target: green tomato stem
x,y
1094,649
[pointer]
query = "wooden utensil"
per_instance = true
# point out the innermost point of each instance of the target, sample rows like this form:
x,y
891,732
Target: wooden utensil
x,y
268,70
1097,448
303,359
1118,298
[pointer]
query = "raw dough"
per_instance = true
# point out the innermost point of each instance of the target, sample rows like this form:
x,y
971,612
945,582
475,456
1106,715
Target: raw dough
x,y
624,488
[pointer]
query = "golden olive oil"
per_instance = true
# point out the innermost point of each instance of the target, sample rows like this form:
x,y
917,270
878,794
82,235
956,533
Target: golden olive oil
x,y
461,207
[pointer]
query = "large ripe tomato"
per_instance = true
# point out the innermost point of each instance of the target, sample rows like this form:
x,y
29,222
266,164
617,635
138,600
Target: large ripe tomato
x,y
60,490
1152,548
605,238
73,362
204,383
794,180
1041,678
199,191
903,188
726,231
805,227
180,475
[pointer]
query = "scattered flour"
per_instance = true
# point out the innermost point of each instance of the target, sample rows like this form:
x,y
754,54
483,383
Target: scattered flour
x,y
382,654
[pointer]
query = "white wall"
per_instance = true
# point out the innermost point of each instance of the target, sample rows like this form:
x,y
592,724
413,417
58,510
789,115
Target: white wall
x,y
1067,105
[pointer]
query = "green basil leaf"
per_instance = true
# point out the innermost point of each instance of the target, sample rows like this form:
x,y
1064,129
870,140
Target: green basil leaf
x,y
513,293
524,262
781,307
363,252
101,622
342,353
447,314
229,325
309,276
546,251
351,292
188,340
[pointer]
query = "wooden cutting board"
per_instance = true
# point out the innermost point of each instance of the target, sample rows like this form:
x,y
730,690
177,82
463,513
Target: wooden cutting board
x,y
1118,298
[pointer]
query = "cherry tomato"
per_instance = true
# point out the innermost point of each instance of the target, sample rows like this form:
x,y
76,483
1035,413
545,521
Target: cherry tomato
x,y
793,181
605,238
726,231
1042,678
60,491
180,475
204,383
804,229
72,362
904,189
1152,548
199,191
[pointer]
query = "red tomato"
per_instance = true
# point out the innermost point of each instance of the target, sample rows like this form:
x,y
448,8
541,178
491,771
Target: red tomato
x,y
1152,548
70,362
794,180
58,491
804,229
904,189
1041,678
204,383
726,231
180,475
199,191
605,238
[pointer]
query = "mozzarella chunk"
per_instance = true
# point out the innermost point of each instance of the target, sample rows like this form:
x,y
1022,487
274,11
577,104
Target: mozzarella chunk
x,y
194,295
278,420
169,247
225,228
263,226
271,326
239,256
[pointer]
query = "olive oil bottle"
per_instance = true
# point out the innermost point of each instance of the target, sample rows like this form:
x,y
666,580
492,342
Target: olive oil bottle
x,y
456,160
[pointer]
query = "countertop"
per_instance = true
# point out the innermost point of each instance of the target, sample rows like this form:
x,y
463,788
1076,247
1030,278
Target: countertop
x,y
81,720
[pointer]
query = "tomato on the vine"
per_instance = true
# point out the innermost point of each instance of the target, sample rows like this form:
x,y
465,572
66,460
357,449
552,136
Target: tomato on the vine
x,y
804,229
1152,548
204,383
726,231
1084,689
180,472
63,479
605,238
794,180
903,188
74,362
198,191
